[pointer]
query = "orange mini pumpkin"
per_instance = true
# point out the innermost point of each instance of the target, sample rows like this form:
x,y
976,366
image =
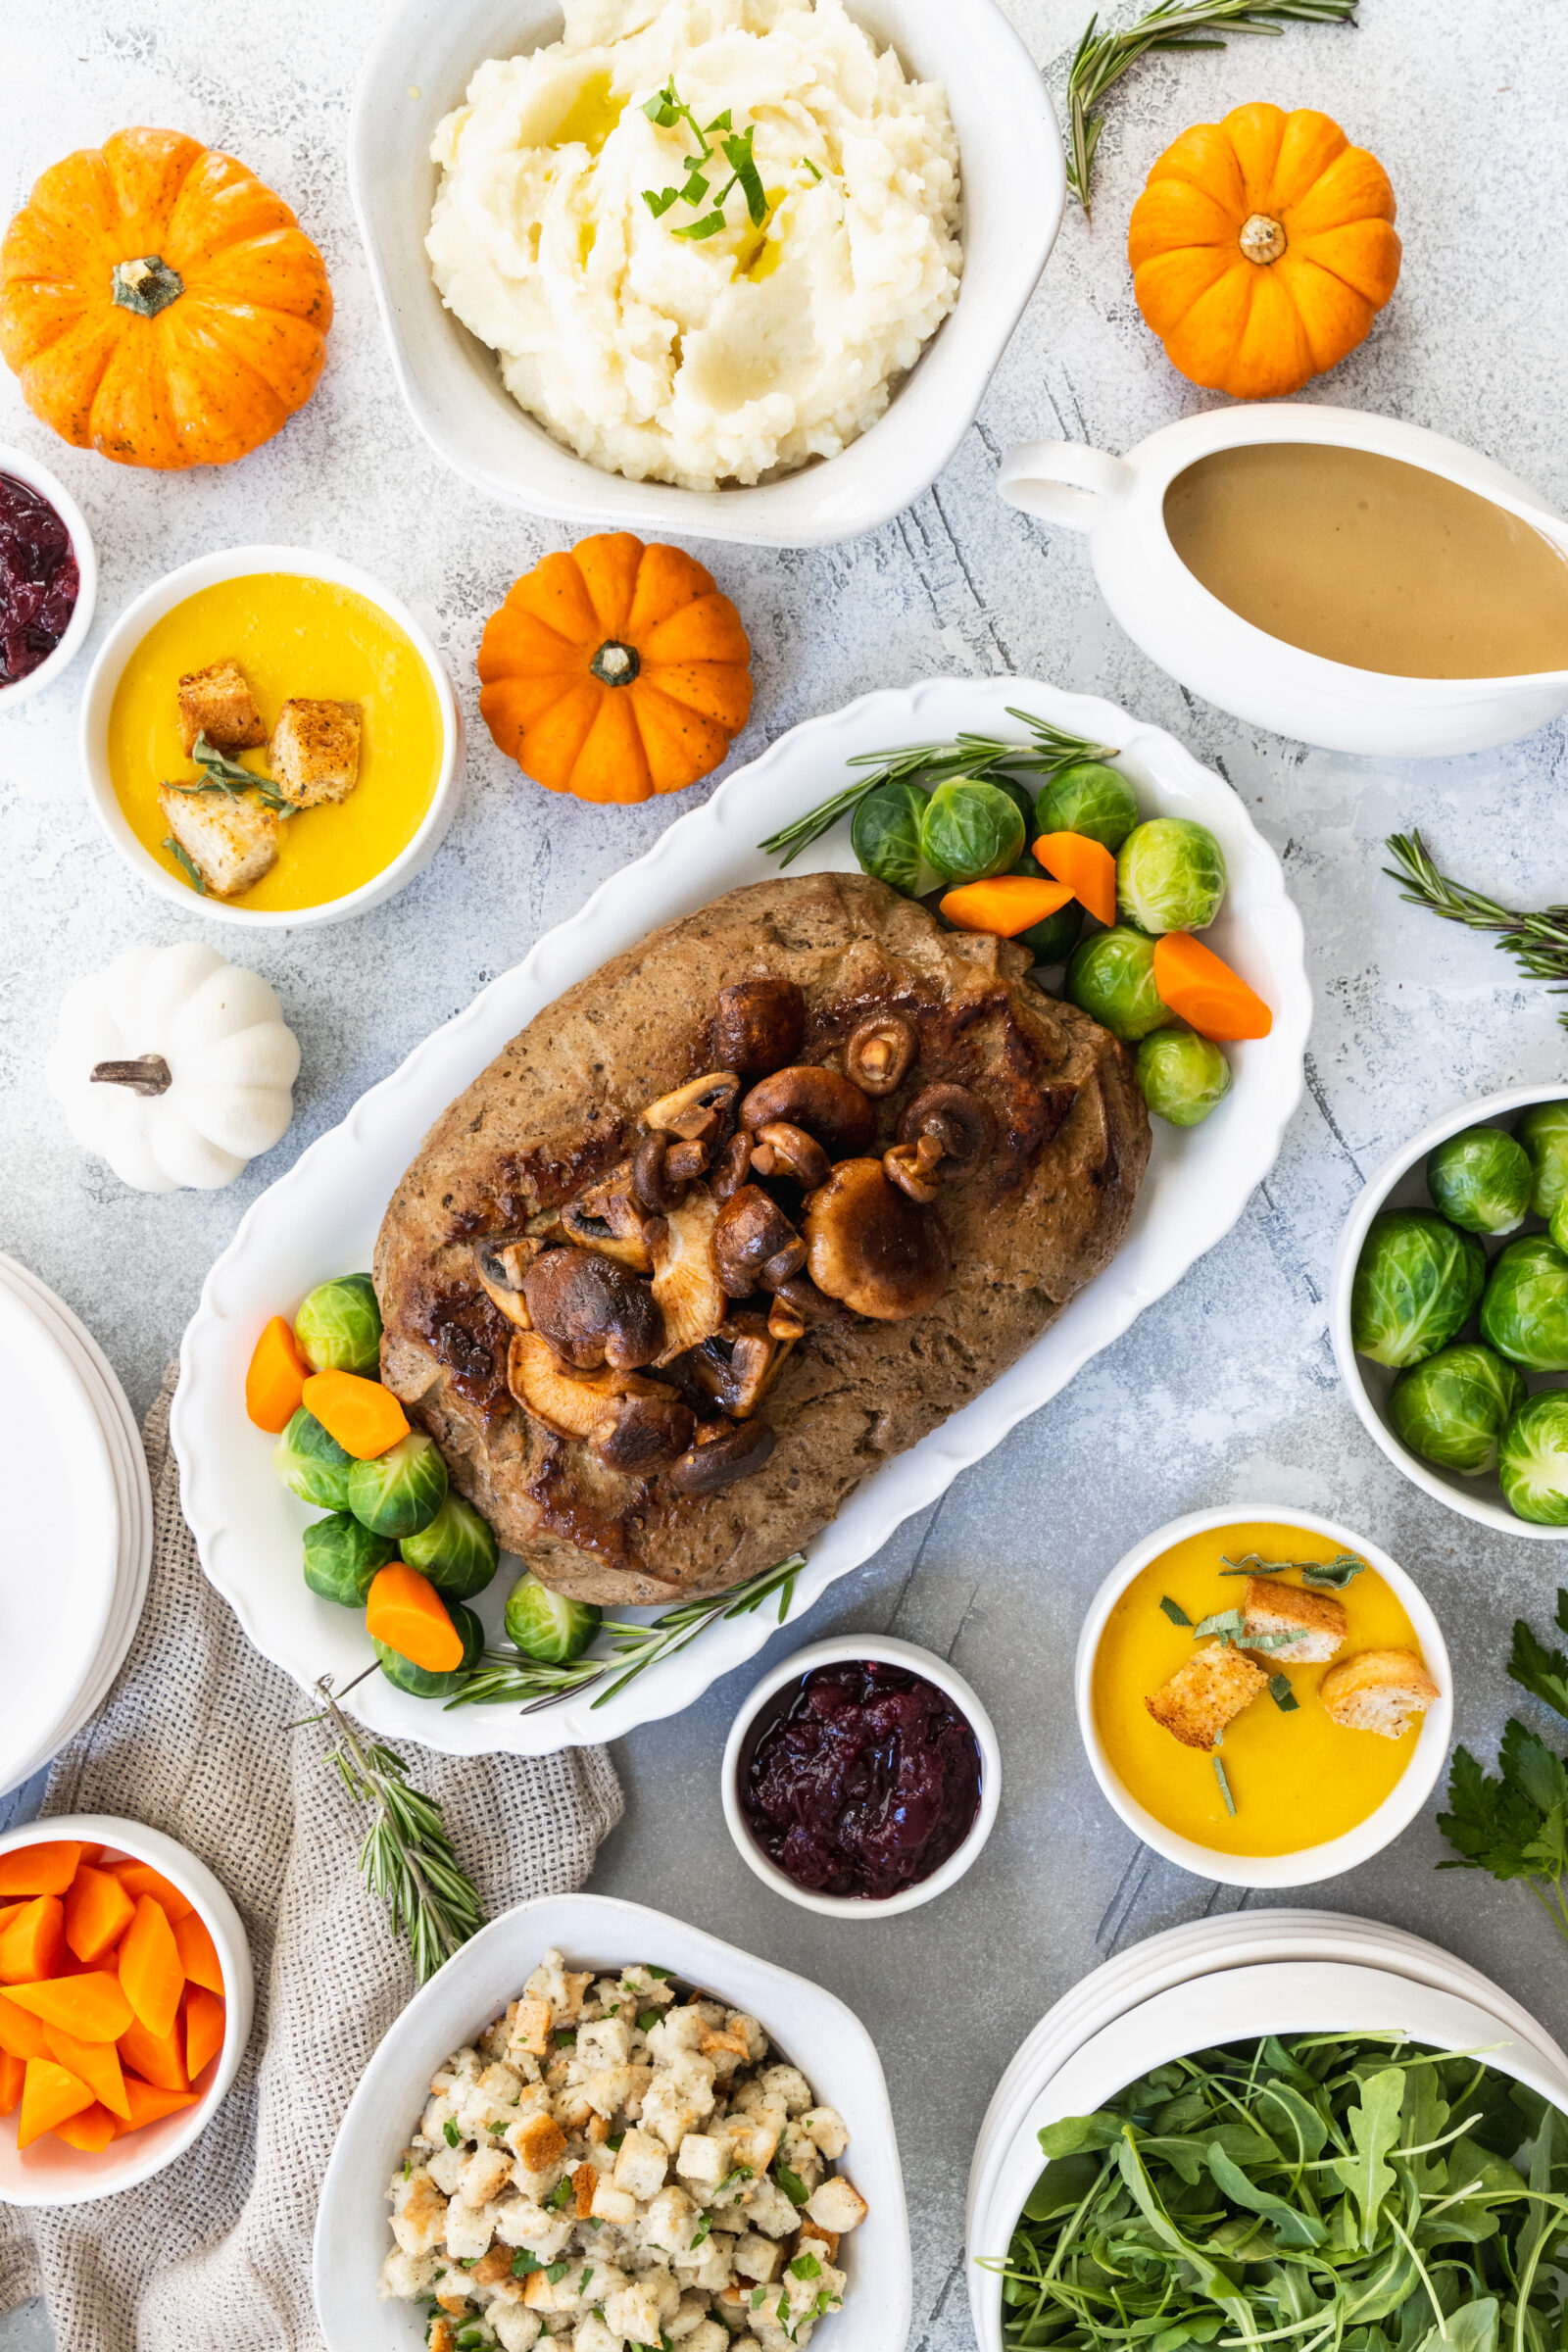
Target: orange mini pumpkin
x,y
1262,249
616,672
159,305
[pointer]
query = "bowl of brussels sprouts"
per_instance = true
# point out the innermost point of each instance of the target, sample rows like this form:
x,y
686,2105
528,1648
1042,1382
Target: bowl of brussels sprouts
x,y
1450,1311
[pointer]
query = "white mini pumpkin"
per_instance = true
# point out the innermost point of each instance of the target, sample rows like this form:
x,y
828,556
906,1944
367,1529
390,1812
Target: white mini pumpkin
x,y
175,1065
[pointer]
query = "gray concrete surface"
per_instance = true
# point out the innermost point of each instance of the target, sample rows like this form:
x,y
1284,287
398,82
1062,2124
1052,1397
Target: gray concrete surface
x,y
1224,1391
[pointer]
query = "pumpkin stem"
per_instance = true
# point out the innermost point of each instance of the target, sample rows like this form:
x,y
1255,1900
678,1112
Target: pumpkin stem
x,y
615,665
147,285
1262,240
151,1075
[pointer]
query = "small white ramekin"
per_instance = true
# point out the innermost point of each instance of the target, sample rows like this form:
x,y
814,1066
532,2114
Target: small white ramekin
x,y
38,477
1311,1863
235,564
850,1649
50,2173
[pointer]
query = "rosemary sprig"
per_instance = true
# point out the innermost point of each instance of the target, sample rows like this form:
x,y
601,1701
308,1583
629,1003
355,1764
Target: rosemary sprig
x,y
501,1677
931,764
407,1857
1539,943
220,773
1103,58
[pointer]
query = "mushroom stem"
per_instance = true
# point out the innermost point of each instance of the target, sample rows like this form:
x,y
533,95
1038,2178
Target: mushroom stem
x,y
151,1075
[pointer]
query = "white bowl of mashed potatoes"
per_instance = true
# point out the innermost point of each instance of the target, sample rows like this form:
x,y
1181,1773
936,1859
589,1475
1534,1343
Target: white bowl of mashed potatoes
x,y
734,269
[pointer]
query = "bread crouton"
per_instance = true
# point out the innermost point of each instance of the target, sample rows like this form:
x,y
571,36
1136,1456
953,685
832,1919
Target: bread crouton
x,y
1377,1691
1202,1696
315,752
231,839
217,702
1317,1622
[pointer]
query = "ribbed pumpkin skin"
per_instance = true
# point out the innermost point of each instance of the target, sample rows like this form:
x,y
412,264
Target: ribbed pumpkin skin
x,y
1258,330
571,732
215,373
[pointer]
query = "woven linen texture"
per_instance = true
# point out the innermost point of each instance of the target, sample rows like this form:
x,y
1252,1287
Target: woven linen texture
x,y
213,2254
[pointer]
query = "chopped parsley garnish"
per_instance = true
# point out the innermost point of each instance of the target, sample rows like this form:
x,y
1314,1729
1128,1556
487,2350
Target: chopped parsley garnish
x,y
661,1976
557,2272
666,109
791,2184
560,2195
805,2266
407,2168
616,2141
566,2038
587,2273
758,2297
647,2018
453,2134
498,2124
704,2225
522,2262
742,2172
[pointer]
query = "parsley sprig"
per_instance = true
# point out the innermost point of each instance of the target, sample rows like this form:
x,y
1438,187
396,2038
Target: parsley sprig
x,y
1516,1826
667,109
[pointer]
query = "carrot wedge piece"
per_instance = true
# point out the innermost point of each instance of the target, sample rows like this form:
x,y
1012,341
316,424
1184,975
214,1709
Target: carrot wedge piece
x,y
91,2130
1086,867
50,2096
276,1380
198,1954
32,1941
99,1909
405,1610
1203,990
366,1419
95,2063
93,2007
206,2020
46,1868
13,2074
152,1976
148,2105
140,1878
1004,906
21,2035
157,2059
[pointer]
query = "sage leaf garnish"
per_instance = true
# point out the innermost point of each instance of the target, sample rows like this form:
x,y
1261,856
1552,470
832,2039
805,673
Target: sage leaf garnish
x,y
183,857
1280,1692
1174,1610
1224,1786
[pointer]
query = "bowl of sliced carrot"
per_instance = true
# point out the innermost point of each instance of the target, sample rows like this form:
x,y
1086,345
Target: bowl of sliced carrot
x,y
126,1999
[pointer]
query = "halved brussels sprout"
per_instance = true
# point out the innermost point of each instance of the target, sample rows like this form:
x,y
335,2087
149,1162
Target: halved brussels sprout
x,y
456,1551
312,1465
1088,798
1481,1180
1170,876
1544,1132
969,829
1455,1407
339,1326
1532,1459
885,836
546,1624
342,1558
1112,977
1182,1075
419,1680
1415,1286
401,1490
1525,1310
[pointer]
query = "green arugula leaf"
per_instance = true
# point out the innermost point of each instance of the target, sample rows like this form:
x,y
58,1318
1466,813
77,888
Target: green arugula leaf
x,y
1374,2126
1291,2227
1473,2327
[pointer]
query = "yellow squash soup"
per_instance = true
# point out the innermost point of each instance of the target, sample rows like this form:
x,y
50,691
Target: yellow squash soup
x,y
1297,1779
293,637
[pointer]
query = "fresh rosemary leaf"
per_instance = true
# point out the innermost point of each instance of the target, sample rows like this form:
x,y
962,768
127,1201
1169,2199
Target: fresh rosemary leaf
x,y
1174,1610
1537,942
1280,1692
181,857
1224,1786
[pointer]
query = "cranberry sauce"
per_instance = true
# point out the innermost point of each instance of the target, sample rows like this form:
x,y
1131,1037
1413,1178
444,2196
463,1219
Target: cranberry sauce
x,y
38,579
862,1781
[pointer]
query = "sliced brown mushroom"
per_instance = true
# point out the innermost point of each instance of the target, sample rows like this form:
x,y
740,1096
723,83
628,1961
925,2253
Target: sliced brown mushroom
x,y
800,1297
733,1166
754,1242
883,1255
758,1025
827,1106
914,1168
501,1267
785,1320
696,1110
955,1119
639,1436
661,1167
786,1150
880,1052
604,1216
567,1404
593,1311
739,1363
709,1466
686,1280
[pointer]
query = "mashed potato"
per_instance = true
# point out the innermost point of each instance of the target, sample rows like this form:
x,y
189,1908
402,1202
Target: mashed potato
x,y
722,357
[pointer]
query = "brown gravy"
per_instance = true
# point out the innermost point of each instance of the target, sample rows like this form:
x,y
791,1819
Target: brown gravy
x,y
1370,562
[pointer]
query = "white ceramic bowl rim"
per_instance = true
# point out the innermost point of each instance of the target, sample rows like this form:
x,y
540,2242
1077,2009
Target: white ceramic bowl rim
x,y
1309,1864
38,476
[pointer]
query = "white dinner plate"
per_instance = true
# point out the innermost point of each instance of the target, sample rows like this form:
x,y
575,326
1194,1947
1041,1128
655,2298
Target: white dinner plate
x,y
322,1217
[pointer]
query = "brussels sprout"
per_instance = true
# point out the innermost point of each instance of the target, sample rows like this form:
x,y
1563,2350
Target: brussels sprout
x,y
1170,876
1088,798
1525,1310
1414,1287
419,1680
1532,1459
1481,1180
401,1490
969,829
1453,1409
341,1557
312,1465
546,1624
339,1326
1112,977
456,1551
885,836
1023,800
1183,1076
1543,1133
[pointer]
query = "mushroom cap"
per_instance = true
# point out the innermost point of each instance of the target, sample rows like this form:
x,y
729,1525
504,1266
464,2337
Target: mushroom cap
x,y
641,1434
952,1116
739,1454
786,1150
593,1311
827,1106
880,1051
753,1232
881,1253
758,1025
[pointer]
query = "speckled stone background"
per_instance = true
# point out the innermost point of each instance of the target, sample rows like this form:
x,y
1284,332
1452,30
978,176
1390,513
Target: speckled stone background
x,y
1225,1392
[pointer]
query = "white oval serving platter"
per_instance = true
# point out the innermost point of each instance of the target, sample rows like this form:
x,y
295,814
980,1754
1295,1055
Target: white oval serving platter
x,y
321,1218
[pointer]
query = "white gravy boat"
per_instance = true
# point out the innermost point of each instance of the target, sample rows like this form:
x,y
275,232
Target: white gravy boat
x,y
1120,503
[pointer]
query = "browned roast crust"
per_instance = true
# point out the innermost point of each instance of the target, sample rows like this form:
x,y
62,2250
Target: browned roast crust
x,y
559,1105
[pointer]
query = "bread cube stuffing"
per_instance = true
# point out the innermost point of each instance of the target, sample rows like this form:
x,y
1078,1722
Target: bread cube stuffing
x,y
837,2204
1315,1621
217,702
641,2165
315,757
1205,1693
231,839
826,2127
517,2330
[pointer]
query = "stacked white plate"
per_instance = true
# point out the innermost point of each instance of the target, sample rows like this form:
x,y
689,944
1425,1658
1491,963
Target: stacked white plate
x,y
1303,1971
78,1523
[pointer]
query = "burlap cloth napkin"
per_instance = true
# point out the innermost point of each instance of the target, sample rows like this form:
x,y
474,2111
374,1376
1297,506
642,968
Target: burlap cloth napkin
x,y
213,2254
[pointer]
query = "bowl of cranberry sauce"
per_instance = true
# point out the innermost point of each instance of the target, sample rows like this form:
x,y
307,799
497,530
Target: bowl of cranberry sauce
x,y
48,577
861,1777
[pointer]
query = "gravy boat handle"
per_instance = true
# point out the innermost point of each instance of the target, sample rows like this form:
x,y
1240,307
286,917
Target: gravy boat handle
x,y
1061,481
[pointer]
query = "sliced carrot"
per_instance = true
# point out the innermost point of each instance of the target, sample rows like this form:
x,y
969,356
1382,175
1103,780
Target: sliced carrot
x,y
94,2007
157,2059
95,2063
13,2074
8,1912
46,1868
405,1610
152,1976
276,1380
148,2105
21,2035
205,2019
1086,867
32,1941
140,1878
366,1419
49,2096
198,1954
1205,992
98,1910
1005,905
91,2130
